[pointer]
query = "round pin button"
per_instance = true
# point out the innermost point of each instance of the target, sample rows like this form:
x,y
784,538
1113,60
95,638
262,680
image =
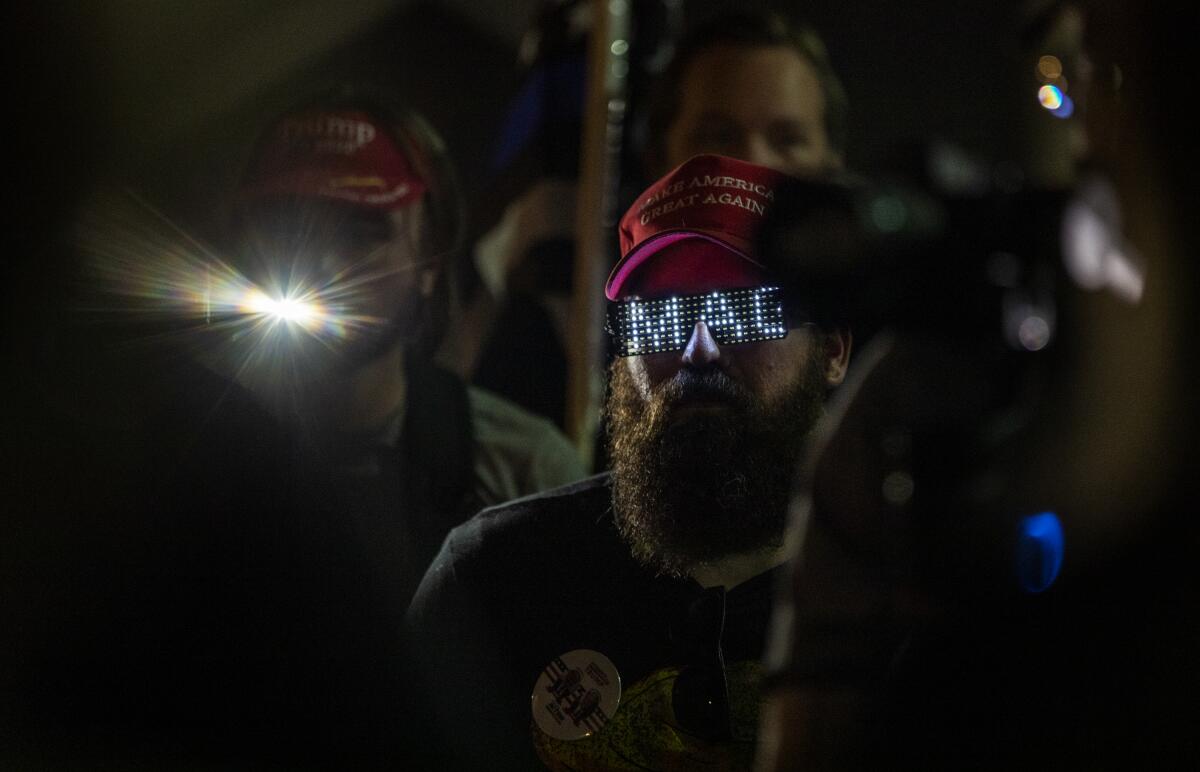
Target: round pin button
x,y
576,694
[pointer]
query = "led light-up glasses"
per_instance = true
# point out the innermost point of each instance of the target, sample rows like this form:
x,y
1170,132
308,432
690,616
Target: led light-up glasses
x,y
640,326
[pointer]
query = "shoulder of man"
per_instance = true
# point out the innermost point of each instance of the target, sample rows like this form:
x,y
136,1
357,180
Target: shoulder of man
x,y
522,529
516,452
481,616
506,566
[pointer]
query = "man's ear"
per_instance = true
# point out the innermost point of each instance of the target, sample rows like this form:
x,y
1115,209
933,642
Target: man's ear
x,y
837,355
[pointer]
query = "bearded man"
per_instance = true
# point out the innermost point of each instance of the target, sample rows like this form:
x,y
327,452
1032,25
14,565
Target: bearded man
x,y
617,623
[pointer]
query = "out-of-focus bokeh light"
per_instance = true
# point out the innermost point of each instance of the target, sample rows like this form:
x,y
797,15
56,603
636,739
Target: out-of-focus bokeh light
x,y
1039,551
1065,110
1125,277
898,488
1050,97
1095,253
1034,333
1049,67
888,213
956,171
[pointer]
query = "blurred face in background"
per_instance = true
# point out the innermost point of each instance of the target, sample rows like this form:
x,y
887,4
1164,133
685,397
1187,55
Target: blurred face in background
x,y
762,104
366,270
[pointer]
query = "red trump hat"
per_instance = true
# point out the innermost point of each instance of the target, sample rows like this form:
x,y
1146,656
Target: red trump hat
x,y
336,154
694,230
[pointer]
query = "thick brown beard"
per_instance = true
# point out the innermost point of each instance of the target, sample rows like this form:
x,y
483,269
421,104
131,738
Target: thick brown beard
x,y
709,485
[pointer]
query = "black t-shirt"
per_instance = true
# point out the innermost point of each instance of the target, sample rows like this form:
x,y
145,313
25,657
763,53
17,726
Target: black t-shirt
x,y
524,583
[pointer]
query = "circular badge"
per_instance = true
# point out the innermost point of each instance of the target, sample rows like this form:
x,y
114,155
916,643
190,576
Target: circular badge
x,y
576,694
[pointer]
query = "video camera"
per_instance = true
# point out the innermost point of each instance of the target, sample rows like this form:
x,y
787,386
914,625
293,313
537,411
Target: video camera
x,y
936,455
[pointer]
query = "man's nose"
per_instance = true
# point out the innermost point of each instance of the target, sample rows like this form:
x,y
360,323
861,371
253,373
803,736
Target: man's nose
x,y
702,348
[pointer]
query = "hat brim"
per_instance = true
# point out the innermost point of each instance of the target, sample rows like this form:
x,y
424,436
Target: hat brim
x,y
381,192
639,255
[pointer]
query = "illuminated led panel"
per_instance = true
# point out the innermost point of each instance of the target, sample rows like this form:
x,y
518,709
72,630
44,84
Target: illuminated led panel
x,y
640,326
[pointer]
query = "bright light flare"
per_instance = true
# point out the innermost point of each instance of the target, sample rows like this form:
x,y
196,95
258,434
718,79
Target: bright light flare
x,y
140,267
296,310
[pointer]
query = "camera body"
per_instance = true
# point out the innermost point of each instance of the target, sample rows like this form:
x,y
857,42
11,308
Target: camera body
x,y
932,456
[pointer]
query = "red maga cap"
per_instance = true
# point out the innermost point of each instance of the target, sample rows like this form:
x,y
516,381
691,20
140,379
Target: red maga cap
x,y
699,223
344,155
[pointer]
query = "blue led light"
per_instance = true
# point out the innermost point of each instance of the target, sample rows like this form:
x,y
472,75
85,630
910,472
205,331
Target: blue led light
x,y
1039,551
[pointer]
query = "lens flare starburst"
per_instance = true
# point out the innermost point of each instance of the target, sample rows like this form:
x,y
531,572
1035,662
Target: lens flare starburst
x,y
160,285
302,310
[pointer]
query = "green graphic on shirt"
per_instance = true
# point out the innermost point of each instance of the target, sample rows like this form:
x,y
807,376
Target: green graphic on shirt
x,y
645,734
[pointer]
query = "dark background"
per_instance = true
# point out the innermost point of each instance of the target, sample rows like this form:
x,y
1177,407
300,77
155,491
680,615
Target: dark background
x,y
169,96
166,97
